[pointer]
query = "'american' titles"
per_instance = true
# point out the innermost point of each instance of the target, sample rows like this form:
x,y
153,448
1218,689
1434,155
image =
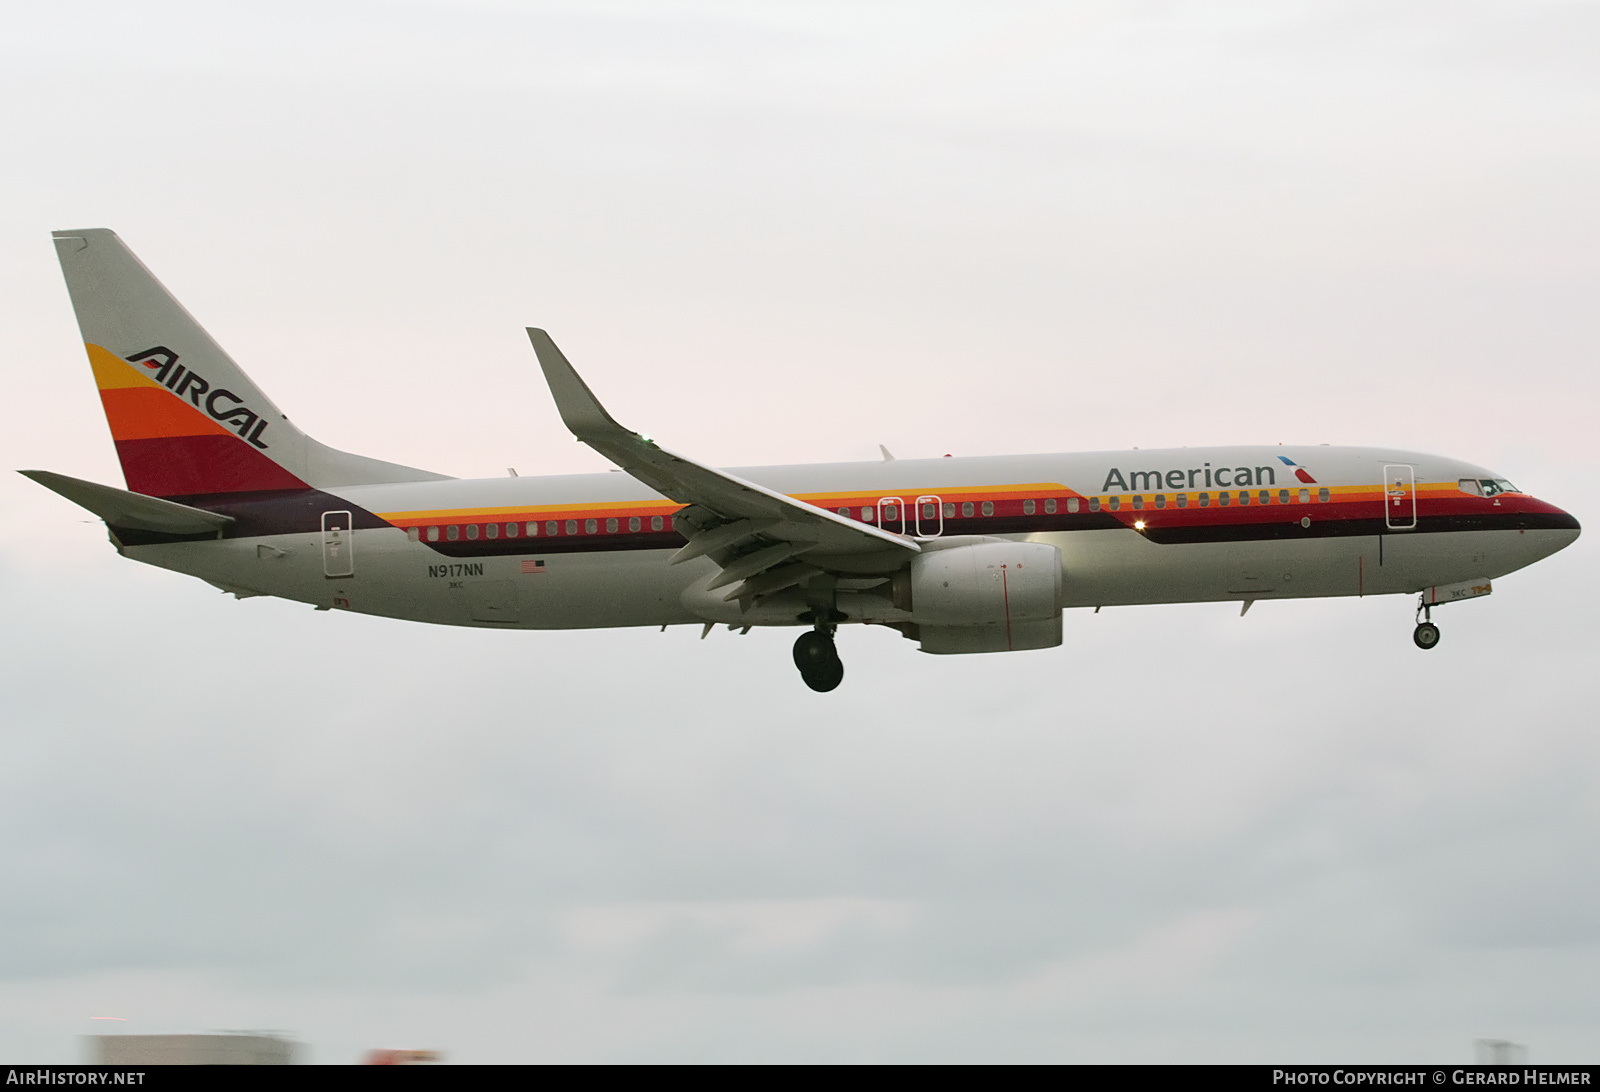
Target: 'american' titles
x,y
1155,481
183,382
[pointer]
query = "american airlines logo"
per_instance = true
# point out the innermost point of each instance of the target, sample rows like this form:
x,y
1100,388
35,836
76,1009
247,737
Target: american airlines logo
x,y
1201,477
187,384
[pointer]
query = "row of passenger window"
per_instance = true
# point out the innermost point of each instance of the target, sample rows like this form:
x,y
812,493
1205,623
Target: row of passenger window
x,y
968,509
551,529
1050,505
1224,499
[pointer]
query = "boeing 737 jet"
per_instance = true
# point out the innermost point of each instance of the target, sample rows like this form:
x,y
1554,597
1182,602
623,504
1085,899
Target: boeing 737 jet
x,y
960,555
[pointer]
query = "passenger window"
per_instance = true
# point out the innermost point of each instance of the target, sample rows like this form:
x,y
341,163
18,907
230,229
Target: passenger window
x,y
633,523
927,511
590,526
1138,501
1027,508
891,511
1224,498
1183,500
1094,504
1244,496
1283,496
1205,500
1266,496
611,526
1305,496
433,534
414,534
1116,503
1161,500
1072,504
866,514
988,508
472,532
655,523
1050,506
492,531
452,532
1322,495
949,511
966,508
572,526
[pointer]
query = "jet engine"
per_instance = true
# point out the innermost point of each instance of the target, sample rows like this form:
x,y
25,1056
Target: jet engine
x,y
989,596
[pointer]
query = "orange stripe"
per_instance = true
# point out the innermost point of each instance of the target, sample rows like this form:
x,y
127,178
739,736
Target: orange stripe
x,y
1033,490
151,413
537,511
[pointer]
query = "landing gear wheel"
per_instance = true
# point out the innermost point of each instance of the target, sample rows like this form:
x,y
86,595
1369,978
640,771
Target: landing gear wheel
x,y
818,661
1426,635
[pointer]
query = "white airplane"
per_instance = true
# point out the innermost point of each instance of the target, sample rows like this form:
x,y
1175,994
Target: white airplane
x,y
960,555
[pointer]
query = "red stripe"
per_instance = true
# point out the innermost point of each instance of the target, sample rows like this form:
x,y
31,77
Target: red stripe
x,y
184,466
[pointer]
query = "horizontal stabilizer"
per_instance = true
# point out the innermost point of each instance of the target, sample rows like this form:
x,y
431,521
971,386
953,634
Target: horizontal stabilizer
x,y
120,508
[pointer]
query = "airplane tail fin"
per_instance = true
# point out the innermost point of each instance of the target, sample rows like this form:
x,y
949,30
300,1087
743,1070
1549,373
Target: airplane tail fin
x,y
186,420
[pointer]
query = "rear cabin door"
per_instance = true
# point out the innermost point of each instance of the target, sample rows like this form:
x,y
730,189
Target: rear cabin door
x,y
1399,497
338,545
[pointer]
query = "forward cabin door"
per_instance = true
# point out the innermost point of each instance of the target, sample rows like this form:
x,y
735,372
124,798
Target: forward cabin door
x,y
1399,497
338,544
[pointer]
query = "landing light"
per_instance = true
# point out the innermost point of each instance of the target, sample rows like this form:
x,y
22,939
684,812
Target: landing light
x,y
1138,525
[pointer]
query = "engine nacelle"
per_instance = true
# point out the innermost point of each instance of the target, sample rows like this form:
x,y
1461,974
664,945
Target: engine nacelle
x,y
994,596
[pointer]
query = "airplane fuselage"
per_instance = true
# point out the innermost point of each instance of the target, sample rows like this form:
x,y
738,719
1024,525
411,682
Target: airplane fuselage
x,y
1159,526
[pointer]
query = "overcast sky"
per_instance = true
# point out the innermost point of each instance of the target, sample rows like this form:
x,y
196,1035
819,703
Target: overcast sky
x,y
773,233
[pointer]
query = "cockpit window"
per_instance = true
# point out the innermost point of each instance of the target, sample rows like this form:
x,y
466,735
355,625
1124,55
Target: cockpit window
x,y
1470,485
1495,486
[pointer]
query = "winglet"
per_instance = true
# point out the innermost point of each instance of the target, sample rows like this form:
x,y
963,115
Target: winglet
x,y
580,410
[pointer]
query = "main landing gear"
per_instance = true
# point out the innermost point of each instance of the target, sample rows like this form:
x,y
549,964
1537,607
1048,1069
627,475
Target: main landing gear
x,y
1426,635
818,659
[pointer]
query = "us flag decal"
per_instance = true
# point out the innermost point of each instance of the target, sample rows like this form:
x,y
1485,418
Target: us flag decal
x,y
533,566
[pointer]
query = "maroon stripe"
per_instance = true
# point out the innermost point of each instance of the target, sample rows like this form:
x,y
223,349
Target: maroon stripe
x,y
178,466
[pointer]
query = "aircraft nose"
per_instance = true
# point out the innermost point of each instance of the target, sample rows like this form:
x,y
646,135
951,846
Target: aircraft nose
x,y
1566,521
1555,529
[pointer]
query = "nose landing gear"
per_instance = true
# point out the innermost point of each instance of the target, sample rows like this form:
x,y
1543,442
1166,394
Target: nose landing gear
x,y
1426,635
818,659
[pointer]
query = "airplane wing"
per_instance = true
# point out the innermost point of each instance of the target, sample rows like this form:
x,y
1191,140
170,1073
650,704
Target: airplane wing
x,y
753,532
